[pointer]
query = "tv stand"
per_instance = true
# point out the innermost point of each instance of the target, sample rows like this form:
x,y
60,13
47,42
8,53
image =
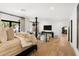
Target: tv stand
x,y
47,32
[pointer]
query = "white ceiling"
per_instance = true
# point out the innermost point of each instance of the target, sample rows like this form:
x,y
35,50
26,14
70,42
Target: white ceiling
x,y
42,10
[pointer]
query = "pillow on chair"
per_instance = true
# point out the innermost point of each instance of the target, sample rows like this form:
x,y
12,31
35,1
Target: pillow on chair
x,y
3,35
10,34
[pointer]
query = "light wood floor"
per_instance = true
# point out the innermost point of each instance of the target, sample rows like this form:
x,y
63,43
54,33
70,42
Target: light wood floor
x,y
55,47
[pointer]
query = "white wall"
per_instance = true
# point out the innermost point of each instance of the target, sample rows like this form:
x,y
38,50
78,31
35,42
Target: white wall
x,y
26,24
56,25
74,35
22,25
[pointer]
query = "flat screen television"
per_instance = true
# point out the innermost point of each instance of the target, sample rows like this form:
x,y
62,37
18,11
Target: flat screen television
x,y
47,27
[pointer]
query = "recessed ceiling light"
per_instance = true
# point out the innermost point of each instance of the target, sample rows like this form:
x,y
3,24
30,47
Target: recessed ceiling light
x,y
52,8
23,10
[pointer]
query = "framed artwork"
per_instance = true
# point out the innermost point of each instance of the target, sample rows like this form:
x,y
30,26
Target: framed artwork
x,y
70,31
78,26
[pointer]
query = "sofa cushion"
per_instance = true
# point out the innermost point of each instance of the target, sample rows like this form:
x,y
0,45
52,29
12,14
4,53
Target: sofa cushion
x,y
3,35
23,34
27,37
10,48
10,33
33,38
24,42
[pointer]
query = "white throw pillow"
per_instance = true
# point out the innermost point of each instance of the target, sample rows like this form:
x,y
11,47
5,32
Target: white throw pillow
x,y
10,33
25,43
3,35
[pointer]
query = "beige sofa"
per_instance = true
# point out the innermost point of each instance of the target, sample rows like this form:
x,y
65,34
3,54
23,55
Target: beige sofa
x,y
11,44
8,47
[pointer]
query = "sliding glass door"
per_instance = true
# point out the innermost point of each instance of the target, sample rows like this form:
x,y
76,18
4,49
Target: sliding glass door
x,y
6,24
14,24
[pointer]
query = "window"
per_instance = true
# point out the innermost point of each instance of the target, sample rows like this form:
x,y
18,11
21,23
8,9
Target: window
x,y
14,24
6,24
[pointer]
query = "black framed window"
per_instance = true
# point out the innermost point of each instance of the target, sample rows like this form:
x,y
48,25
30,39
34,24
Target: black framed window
x,y
6,24
14,24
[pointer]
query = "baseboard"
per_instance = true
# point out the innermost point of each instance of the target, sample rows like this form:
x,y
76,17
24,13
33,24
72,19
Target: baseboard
x,y
75,49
